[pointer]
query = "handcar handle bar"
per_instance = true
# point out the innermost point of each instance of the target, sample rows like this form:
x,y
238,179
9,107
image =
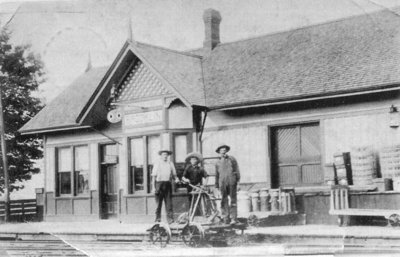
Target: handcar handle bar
x,y
201,190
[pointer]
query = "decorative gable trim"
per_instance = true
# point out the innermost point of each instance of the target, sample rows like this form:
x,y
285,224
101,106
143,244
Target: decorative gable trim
x,y
128,47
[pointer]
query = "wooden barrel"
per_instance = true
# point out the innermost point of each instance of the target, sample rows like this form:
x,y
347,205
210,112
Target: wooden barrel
x,y
363,165
389,158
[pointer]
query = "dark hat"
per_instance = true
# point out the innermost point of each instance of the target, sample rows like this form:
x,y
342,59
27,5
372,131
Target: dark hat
x,y
164,151
223,146
198,156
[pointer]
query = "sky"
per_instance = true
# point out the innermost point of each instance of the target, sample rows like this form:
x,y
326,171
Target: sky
x,y
65,33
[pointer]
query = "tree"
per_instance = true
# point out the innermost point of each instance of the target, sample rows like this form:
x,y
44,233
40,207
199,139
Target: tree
x,y
21,72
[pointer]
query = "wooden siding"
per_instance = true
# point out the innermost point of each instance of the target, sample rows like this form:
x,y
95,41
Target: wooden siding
x,y
179,116
343,133
248,146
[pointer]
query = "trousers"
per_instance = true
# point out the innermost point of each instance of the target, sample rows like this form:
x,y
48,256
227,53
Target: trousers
x,y
164,193
229,189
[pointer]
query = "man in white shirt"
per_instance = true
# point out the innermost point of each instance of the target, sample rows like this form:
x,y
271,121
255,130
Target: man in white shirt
x,y
162,173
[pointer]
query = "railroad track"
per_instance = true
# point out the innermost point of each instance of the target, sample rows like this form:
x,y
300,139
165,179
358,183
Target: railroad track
x,y
35,248
72,248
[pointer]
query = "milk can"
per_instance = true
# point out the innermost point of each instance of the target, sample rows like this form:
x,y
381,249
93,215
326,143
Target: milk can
x,y
243,203
264,200
255,201
274,201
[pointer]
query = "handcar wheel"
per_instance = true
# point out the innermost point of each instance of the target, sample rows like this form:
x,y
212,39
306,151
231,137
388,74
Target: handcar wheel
x,y
394,220
193,235
160,234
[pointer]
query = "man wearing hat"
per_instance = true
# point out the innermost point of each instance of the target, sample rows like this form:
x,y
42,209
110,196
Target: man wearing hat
x,y
162,173
227,176
194,173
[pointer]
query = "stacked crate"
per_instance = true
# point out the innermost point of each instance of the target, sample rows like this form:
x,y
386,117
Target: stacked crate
x,y
390,162
363,166
390,165
342,166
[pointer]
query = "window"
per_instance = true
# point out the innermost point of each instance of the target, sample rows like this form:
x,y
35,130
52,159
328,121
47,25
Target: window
x,y
181,149
64,171
73,170
137,164
143,154
81,170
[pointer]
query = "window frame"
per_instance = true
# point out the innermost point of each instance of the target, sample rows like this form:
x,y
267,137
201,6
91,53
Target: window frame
x,y
147,180
72,175
189,146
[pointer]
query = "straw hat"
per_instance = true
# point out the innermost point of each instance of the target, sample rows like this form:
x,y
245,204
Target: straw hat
x,y
223,146
196,155
164,151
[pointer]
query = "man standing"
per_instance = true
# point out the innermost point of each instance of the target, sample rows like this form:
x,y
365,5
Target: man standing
x,y
227,176
162,173
194,173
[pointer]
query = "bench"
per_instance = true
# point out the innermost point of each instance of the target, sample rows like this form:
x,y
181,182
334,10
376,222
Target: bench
x,y
339,205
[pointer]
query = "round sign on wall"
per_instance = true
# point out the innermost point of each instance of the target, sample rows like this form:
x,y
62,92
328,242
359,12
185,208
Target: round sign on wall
x,y
114,116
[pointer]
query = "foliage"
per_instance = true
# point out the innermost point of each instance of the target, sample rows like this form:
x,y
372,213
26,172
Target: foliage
x,y
21,72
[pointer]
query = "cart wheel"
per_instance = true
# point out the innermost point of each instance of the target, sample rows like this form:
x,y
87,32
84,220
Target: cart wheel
x,y
252,220
394,220
343,221
160,234
193,235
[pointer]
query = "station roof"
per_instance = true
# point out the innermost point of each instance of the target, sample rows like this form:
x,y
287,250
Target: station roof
x,y
356,54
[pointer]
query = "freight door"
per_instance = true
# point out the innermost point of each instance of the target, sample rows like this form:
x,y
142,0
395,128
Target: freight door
x,y
296,156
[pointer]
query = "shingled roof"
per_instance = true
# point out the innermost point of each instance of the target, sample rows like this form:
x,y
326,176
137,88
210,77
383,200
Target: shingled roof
x,y
356,54
348,55
63,111
182,70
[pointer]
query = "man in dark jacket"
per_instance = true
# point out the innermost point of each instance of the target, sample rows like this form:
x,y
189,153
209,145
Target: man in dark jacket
x,y
194,173
227,176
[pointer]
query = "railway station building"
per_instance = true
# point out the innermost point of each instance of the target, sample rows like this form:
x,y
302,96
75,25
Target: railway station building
x,y
286,103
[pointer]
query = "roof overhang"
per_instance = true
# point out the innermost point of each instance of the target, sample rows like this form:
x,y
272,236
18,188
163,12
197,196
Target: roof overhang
x,y
290,100
54,129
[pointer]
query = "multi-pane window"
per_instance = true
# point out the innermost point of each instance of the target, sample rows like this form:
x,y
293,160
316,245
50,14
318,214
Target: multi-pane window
x,y
137,164
143,154
64,171
81,170
181,148
73,170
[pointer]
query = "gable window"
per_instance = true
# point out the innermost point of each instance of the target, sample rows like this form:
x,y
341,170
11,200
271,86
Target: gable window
x,y
143,155
72,170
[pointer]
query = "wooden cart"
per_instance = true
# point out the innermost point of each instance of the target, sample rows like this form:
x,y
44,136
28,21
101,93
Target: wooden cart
x,y
339,205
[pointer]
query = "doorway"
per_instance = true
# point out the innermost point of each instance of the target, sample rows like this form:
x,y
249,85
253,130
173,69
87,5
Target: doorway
x,y
109,181
296,155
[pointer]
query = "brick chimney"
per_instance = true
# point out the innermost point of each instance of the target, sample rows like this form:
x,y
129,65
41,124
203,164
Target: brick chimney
x,y
212,19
